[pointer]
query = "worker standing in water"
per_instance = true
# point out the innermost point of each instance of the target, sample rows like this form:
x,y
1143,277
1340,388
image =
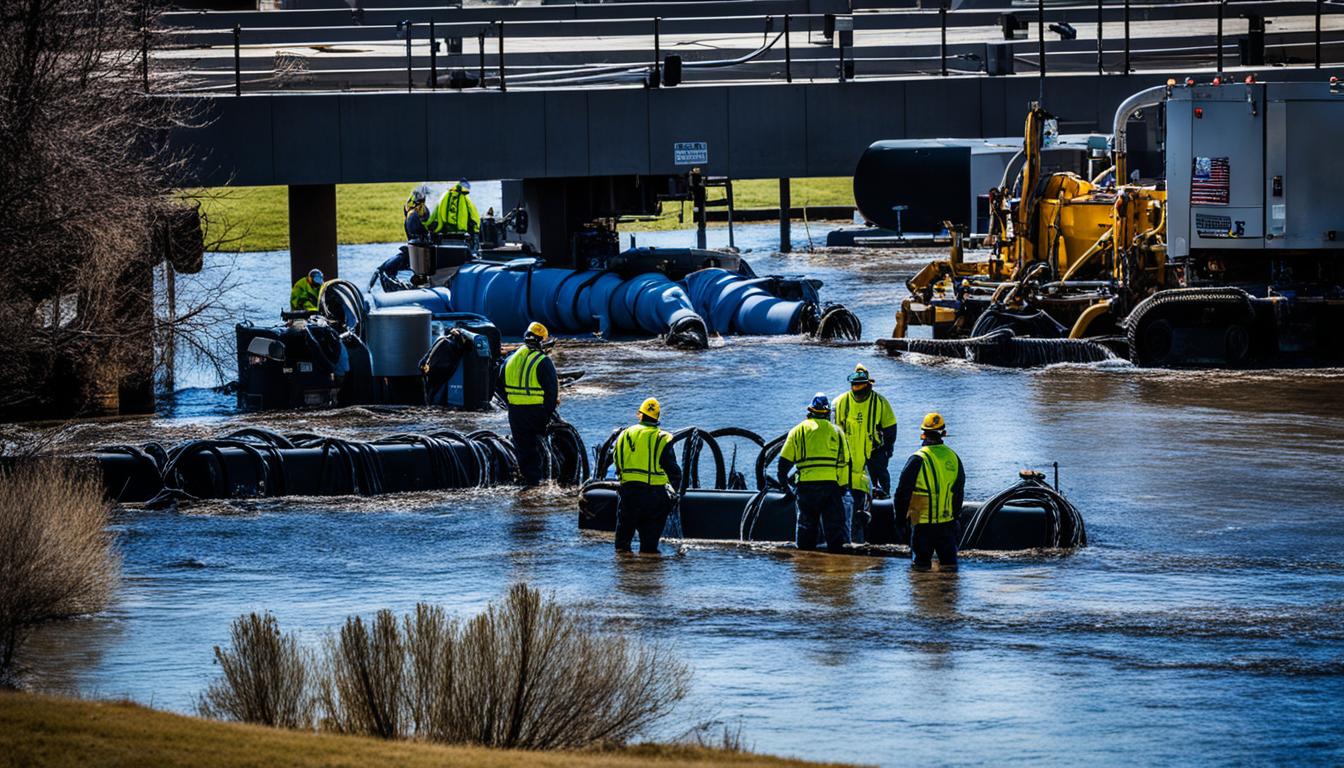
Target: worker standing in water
x,y
645,464
930,491
303,296
532,391
869,425
416,214
819,451
455,213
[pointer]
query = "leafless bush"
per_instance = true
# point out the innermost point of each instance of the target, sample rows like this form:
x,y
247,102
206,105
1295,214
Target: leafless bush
x,y
527,674
267,677
56,556
540,677
431,648
363,691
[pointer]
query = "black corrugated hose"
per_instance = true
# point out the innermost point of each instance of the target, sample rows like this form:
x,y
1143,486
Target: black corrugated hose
x,y
1066,524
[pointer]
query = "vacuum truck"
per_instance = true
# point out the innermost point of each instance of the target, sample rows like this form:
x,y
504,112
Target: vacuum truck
x,y
1226,250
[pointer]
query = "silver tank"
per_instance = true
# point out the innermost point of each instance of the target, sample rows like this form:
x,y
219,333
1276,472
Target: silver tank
x,y
397,338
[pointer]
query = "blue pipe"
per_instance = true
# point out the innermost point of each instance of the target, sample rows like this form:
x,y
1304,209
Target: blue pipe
x,y
734,304
513,294
569,301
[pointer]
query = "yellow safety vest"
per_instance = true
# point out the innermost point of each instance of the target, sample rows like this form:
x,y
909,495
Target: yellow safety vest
x,y
863,424
932,499
639,451
817,448
522,385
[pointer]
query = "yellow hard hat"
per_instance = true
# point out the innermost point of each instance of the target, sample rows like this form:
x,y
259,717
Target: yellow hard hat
x,y
933,422
651,408
538,330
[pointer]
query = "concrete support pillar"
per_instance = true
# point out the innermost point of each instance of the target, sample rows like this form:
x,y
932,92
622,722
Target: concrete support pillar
x,y
312,230
785,214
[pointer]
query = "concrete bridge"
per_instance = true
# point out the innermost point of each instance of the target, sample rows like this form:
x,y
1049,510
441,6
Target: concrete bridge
x,y
313,141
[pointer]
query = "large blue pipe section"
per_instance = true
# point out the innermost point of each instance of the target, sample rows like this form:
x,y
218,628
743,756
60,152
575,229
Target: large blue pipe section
x,y
567,301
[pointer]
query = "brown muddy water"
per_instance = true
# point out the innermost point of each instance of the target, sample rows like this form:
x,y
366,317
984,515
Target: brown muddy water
x,y
1205,623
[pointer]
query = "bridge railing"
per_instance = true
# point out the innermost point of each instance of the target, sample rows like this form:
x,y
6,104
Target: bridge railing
x,y
503,48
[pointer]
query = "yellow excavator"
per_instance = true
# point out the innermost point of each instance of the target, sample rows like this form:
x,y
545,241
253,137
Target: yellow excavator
x,y
1226,258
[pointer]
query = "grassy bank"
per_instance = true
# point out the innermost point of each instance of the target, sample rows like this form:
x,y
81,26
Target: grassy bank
x,y
371,213
40,731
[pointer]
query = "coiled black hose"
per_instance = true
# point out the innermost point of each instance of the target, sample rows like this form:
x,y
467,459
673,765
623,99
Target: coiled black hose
x,y
1066,524
838,322
567,457
696,439
347,467
769,452
736,480
342,303
1003,347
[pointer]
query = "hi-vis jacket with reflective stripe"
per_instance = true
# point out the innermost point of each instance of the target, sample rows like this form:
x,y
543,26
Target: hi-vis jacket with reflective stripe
x,y
932,501
818,449
863,424
639,453
522,386
455,213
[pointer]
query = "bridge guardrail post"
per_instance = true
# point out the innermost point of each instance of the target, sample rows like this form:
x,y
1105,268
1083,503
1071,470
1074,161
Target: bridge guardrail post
x,y
502,86
1040,42
410,73
657,53
480,42
1101,10
237,60
1127,37
1318,33
1219,38
942,23
433,58
788,52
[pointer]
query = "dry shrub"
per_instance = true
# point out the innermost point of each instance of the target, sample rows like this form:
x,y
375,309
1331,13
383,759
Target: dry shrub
x,y
363,691
431,640
267,677
526,674
57,558
535,675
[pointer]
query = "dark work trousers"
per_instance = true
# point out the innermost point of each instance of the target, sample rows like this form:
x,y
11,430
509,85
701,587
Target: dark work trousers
x,y
929,538
644,508
860,515
821,504
527,424
879,475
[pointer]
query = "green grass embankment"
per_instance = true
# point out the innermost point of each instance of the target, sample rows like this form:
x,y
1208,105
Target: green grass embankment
x,y
45,732
258,217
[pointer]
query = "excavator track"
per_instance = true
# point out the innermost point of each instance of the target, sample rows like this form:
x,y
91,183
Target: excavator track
x,y
1192,327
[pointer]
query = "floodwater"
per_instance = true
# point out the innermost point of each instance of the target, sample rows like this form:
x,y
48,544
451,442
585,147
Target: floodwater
x,y
1204,624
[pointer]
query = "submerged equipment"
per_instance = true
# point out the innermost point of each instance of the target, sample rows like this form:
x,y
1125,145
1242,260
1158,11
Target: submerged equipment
x,y
254,462
1027,515
680,294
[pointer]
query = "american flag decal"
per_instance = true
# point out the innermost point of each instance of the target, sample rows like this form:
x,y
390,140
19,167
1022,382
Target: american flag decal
x,y
1210,181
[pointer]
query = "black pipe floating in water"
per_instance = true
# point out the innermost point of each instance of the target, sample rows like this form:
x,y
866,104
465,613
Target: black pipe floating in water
x,y
1028,515
1004,348
256,462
